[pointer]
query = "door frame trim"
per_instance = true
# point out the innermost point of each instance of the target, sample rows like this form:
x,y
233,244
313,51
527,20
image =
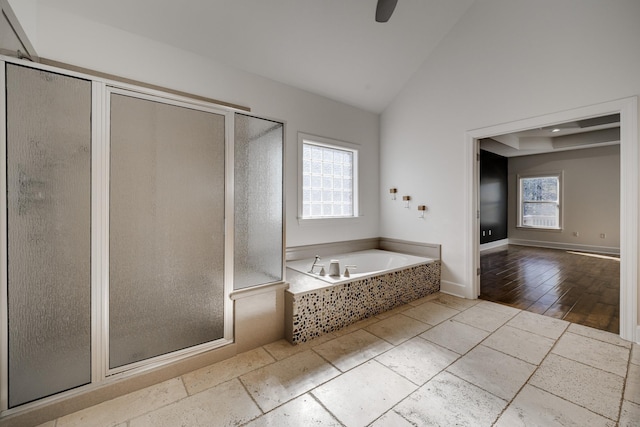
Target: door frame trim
x,y
629,197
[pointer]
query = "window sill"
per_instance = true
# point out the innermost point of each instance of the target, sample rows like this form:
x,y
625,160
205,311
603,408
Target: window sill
x,y
553,230
328,221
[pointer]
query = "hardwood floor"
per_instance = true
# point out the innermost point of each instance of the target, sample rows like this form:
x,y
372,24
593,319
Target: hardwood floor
x,y
578,287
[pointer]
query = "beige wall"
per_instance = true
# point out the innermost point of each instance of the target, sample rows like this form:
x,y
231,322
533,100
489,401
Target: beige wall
x,y
75,40
590,200
26,13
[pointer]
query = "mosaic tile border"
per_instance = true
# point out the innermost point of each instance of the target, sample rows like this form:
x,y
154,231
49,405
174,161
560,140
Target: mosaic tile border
x,y
328,309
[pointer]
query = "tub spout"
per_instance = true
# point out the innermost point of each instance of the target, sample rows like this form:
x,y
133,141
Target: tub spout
x,y
334,268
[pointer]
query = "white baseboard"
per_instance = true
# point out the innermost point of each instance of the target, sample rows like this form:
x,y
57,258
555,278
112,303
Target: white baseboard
x,y
492,245
452,288
566,246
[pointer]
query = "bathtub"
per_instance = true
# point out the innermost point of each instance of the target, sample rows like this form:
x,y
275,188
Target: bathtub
x,y
367,263
381,281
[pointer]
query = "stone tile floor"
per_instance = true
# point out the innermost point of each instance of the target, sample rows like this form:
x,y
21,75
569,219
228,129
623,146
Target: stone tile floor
x,y
437,361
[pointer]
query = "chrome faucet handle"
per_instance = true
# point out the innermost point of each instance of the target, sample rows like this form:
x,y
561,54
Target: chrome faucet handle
x,y
346,270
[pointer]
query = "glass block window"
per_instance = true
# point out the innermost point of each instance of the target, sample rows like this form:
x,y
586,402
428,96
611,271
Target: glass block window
x,y
539,198
329,188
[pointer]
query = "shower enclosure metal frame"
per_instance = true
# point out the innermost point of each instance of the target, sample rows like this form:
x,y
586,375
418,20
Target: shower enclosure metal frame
x,y
101,90
4,327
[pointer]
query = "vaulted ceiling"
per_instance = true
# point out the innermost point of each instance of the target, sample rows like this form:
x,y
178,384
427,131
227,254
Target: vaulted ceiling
x,y
330,47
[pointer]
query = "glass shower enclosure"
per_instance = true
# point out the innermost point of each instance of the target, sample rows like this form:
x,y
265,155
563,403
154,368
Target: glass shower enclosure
x,y
166,228
48,240
131,216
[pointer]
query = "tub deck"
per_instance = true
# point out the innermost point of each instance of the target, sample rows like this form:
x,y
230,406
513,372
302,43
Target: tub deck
x,y
362,264
314,307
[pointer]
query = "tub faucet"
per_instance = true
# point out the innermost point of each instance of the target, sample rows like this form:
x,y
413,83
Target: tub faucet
x,y
334,268
346,270
314,264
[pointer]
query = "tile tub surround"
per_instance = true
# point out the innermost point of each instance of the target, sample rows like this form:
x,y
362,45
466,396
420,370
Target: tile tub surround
x,y
369,375
310,313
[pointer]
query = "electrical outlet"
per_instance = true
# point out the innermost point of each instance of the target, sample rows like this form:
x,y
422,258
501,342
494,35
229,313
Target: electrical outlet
x,y
576,234
603,236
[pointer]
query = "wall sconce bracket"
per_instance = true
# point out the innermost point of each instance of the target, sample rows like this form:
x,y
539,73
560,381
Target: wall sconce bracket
x,y
406,200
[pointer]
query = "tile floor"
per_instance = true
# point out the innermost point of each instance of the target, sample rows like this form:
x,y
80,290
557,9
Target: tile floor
x,y
438,361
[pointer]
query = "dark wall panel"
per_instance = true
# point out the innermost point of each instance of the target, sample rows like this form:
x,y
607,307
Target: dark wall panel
x,y
493,197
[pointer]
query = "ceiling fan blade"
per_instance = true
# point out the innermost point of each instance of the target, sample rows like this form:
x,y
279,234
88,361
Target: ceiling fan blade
x,y
384,10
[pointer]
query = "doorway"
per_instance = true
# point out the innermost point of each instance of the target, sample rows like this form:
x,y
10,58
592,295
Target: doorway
x,y
627,108
550,201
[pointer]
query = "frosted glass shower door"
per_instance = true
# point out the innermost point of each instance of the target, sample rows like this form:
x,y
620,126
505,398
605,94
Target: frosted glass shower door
x,y
258,201
48,158
166,222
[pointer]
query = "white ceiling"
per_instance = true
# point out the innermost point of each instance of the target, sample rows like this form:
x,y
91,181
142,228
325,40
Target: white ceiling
x,y
588,133
329,47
